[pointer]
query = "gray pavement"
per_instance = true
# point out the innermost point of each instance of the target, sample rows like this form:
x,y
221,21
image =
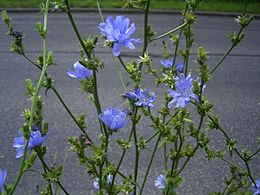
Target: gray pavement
x,y
234,90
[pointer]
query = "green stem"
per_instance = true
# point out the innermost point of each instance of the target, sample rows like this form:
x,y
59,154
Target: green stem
x,y
121,160
146,13
20,172
153,136
228,52
35,97
236,151
137,152
70,113
150,163
187,51
76,29
119,73
44,164
122,63
169,32
187,160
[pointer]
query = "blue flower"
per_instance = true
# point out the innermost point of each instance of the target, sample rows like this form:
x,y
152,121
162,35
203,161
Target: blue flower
x,y
3,174
160,182
168,63
256,188
35,139
96,181
80,72
118,31
142,97
114,118
183,93
180,66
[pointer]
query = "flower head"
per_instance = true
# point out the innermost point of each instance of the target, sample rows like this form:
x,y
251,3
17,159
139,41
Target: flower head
x,y
114,118
96,181
118,31
256,188
167,63
180,66
80,72
183,93
142,97
3,174
160,182
35,139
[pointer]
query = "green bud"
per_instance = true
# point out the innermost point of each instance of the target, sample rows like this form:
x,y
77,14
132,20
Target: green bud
x,y
230,144
175,38
150,32
81,120
50,58
30,161
244,21
26,131
124,144
54,174
141,143
45,128
30,87
40,28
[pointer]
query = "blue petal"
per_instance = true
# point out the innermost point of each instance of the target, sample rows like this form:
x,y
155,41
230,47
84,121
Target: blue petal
x,y
116,49
3,174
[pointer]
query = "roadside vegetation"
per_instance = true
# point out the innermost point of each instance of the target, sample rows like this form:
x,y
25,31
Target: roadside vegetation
x,y
253,6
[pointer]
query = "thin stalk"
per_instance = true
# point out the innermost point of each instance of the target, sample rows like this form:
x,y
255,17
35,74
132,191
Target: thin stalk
x,y
169,32
254,153
76,29
122,63
121,159
60,99
44,164
180,34
137,152
35,97
70,113
97,103
146,13
176,158
187,50
119,73
187,160
228,52
20,172
236,151
150,163
153,136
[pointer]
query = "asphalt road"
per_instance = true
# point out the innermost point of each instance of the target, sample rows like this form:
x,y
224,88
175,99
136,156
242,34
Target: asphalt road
x,y
234,89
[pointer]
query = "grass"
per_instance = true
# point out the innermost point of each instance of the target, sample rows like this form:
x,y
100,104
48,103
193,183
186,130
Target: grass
x,y
205,5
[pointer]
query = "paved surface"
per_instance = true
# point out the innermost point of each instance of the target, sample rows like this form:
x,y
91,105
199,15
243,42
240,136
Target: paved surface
x,y
234,90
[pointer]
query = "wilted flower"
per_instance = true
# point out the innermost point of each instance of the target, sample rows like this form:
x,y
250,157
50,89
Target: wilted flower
x,y
114,118
80,72
3,174
160,182
118,31
142,97
35,139
167,63
256,188
96,181
183,93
